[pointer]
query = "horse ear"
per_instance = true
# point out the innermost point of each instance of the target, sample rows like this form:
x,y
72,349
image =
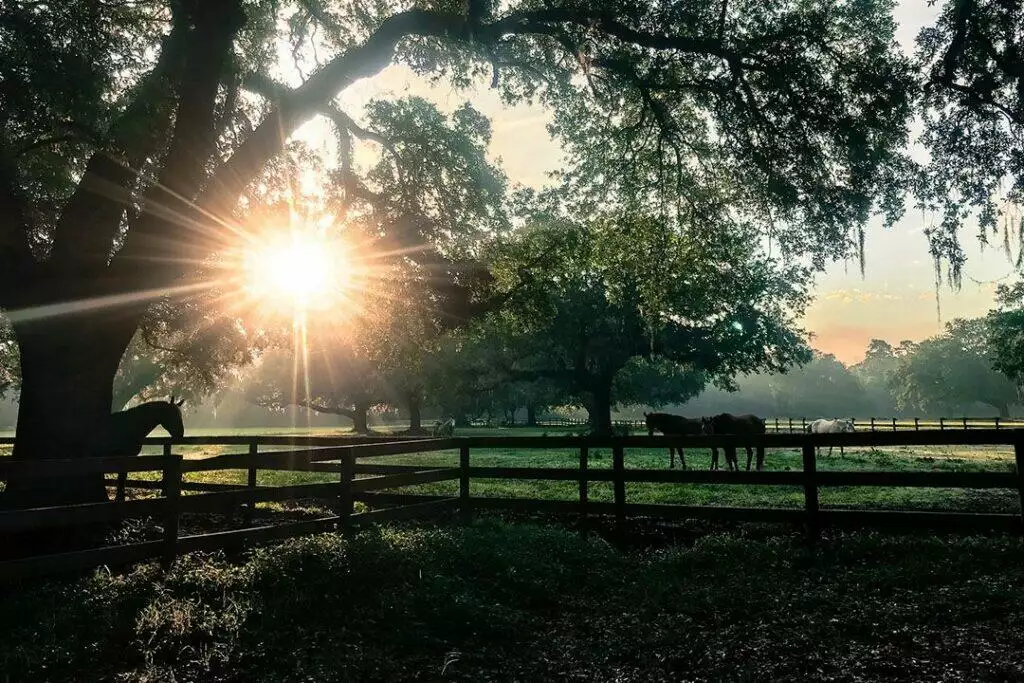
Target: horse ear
x,y
178,403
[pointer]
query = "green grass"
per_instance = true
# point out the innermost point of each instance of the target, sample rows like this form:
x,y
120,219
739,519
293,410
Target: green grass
x,y
501,602
903,459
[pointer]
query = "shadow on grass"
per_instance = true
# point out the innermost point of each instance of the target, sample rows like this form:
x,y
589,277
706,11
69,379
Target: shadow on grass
x,y
517,601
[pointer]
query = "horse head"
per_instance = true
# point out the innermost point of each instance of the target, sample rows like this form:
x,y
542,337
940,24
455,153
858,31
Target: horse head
x,y
707,425
170,418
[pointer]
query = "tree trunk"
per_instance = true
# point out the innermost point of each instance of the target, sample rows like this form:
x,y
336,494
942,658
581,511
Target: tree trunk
x,y
531,414
600,408
67,366
359,422
415,418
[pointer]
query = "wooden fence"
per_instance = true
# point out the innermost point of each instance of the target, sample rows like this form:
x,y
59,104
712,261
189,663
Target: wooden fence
x,y
788,425
372,484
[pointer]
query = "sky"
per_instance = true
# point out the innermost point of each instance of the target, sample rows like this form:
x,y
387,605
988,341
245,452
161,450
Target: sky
x,y
894,300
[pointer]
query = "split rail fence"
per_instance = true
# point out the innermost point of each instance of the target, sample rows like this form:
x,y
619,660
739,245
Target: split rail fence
x,y
374,485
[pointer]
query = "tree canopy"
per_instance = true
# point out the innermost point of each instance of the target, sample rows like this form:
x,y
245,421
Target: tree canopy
x,y
952,370
972,63
587,296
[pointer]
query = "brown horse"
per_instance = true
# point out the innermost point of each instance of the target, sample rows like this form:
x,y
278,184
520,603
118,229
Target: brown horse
x,y
737,425
672,425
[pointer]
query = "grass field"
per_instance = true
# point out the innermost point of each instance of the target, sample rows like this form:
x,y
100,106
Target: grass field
x,y
918,458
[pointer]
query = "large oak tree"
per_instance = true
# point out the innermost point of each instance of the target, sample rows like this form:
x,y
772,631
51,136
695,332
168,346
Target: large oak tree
x,y
592,296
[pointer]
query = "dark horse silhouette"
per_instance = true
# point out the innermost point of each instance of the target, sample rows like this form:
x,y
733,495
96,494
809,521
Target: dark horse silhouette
x,y
739,425
672,425
128,428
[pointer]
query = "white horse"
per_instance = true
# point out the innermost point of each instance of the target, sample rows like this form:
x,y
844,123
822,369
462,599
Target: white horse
x,y
446,428
831,427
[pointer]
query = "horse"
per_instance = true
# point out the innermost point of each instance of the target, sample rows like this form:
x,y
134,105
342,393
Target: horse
x,y
672,425
129,428
446,428
126,430
738,425
831,427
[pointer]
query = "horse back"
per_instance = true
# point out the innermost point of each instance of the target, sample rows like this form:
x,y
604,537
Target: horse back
x,y
675,425
727,423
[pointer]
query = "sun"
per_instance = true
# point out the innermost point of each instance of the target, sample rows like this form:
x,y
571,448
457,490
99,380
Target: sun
x,y
297,271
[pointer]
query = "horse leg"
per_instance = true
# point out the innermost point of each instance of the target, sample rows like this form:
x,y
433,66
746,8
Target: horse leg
x,y
671,458
830,451
730,458
682,459
750,456
714,458
760,458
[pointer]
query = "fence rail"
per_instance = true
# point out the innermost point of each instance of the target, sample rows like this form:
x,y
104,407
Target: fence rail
x,y
379,484
871,424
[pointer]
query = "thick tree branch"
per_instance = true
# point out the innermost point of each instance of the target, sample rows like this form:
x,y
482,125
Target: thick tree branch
x,y
298,105
16,261
963,10
169,214
275,92
93,215
321,408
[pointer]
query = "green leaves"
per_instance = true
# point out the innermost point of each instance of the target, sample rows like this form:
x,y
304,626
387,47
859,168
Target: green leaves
x,y
972,60
954,369
589,297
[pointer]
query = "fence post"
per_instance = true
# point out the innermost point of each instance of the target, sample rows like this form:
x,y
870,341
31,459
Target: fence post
x,y
965,424
1018,454
803,424
872,424
250,507
811,494
942,424
997,423
790,425
584,488
172,494
776,425
122,482
345,500
917,424
465,509
894,424
619,467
